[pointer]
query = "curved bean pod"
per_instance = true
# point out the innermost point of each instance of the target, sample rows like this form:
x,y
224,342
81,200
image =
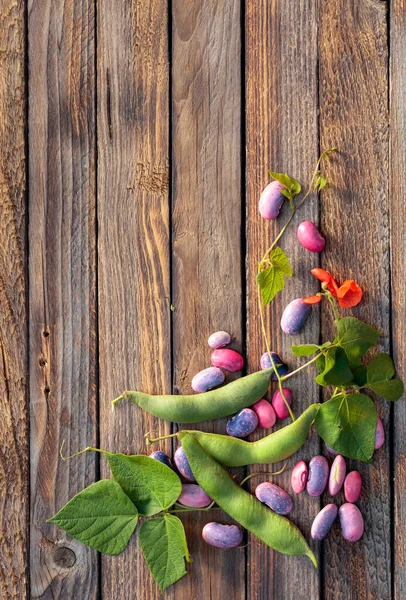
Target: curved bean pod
x,y
214,404
234,452
276,531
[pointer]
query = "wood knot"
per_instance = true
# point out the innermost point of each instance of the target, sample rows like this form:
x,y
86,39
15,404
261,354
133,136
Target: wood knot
x,y
64,557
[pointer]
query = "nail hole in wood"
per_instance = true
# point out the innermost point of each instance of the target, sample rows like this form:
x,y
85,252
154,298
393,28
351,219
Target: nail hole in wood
x,y
42,362
47,390
45,333
64,558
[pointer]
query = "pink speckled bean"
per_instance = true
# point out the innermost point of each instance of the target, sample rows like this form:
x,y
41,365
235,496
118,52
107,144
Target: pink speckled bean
x,y
337,475
193,496
352,523
222,536
265,413
207,379
278,403
219,339
299,476
323,522
318,475
227,359
379,435
271,200
352,486
294,316
275,497
309,236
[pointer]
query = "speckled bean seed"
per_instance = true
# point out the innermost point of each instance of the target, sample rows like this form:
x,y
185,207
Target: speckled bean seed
x,y
271,200
379,435
318,475
309,236
242,424
183,465
352,486
323,522
299,476
266,363
275,497
207,379
219,339
162,457
222,536
265,413
278,403
352,523
294,316
337,475
193,496
227,359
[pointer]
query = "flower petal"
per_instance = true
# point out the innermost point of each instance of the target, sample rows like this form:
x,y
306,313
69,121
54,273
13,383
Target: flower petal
x,y
311,299
326,277
349,294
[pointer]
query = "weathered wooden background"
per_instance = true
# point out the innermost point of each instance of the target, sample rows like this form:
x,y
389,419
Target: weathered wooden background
x,y
135,139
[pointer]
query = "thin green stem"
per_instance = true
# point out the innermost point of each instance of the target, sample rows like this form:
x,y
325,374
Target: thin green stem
x,y
188,510
88,449
302,367
150,441
264,473
333,304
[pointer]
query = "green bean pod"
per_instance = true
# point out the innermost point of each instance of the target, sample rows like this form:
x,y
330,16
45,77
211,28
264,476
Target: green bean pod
x,y
214,404
273,529
234,452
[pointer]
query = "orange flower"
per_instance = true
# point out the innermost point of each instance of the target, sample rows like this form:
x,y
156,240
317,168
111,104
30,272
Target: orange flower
x,y
349,294
326,277
311,299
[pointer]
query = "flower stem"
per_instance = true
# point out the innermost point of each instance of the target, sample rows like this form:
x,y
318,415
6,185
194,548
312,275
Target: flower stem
x,y
150,441
264,473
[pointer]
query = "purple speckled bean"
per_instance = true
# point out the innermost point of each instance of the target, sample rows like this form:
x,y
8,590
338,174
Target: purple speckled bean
x,y
242,424
183,465
162,457
330,450
227,359
337,475
309,236
207,379
352,523
266,363
318,475
299,476
278,403
222,536
352,486
323,522
379,434
294,316
271,200
275,497
265,413
219,339
193,496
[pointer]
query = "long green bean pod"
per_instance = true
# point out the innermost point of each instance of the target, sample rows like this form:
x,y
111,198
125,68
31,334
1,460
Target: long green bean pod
x,y
221,402
234,452
273,529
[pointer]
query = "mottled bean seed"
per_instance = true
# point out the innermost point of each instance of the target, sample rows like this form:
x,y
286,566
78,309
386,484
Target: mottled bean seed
x,y
222,536
227,359
207,379
337,475
193,496
271,200
275,497
265,413
219,339
183,465
318,475
352,486
278,403
379,435
266,363
299,477
294,316
162,457
242,424
352,523
323,522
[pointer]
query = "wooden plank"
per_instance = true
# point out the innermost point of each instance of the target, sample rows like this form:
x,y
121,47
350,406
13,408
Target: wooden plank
x,y
14,459
206,232
282,135
354,116
207,292
397,191
62,277
134,263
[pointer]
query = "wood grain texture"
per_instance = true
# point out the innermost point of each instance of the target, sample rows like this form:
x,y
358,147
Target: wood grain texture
x,y
134,253
397,194
355,219
62,273
14,453
207,291
282,135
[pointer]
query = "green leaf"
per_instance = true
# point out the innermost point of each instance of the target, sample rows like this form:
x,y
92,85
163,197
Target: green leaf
x,y
280,260
380,374
164,545
348,424
355,337
304,349
271,281
101,516
291,184
391,390
150,484
359,375
336,369
321,182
